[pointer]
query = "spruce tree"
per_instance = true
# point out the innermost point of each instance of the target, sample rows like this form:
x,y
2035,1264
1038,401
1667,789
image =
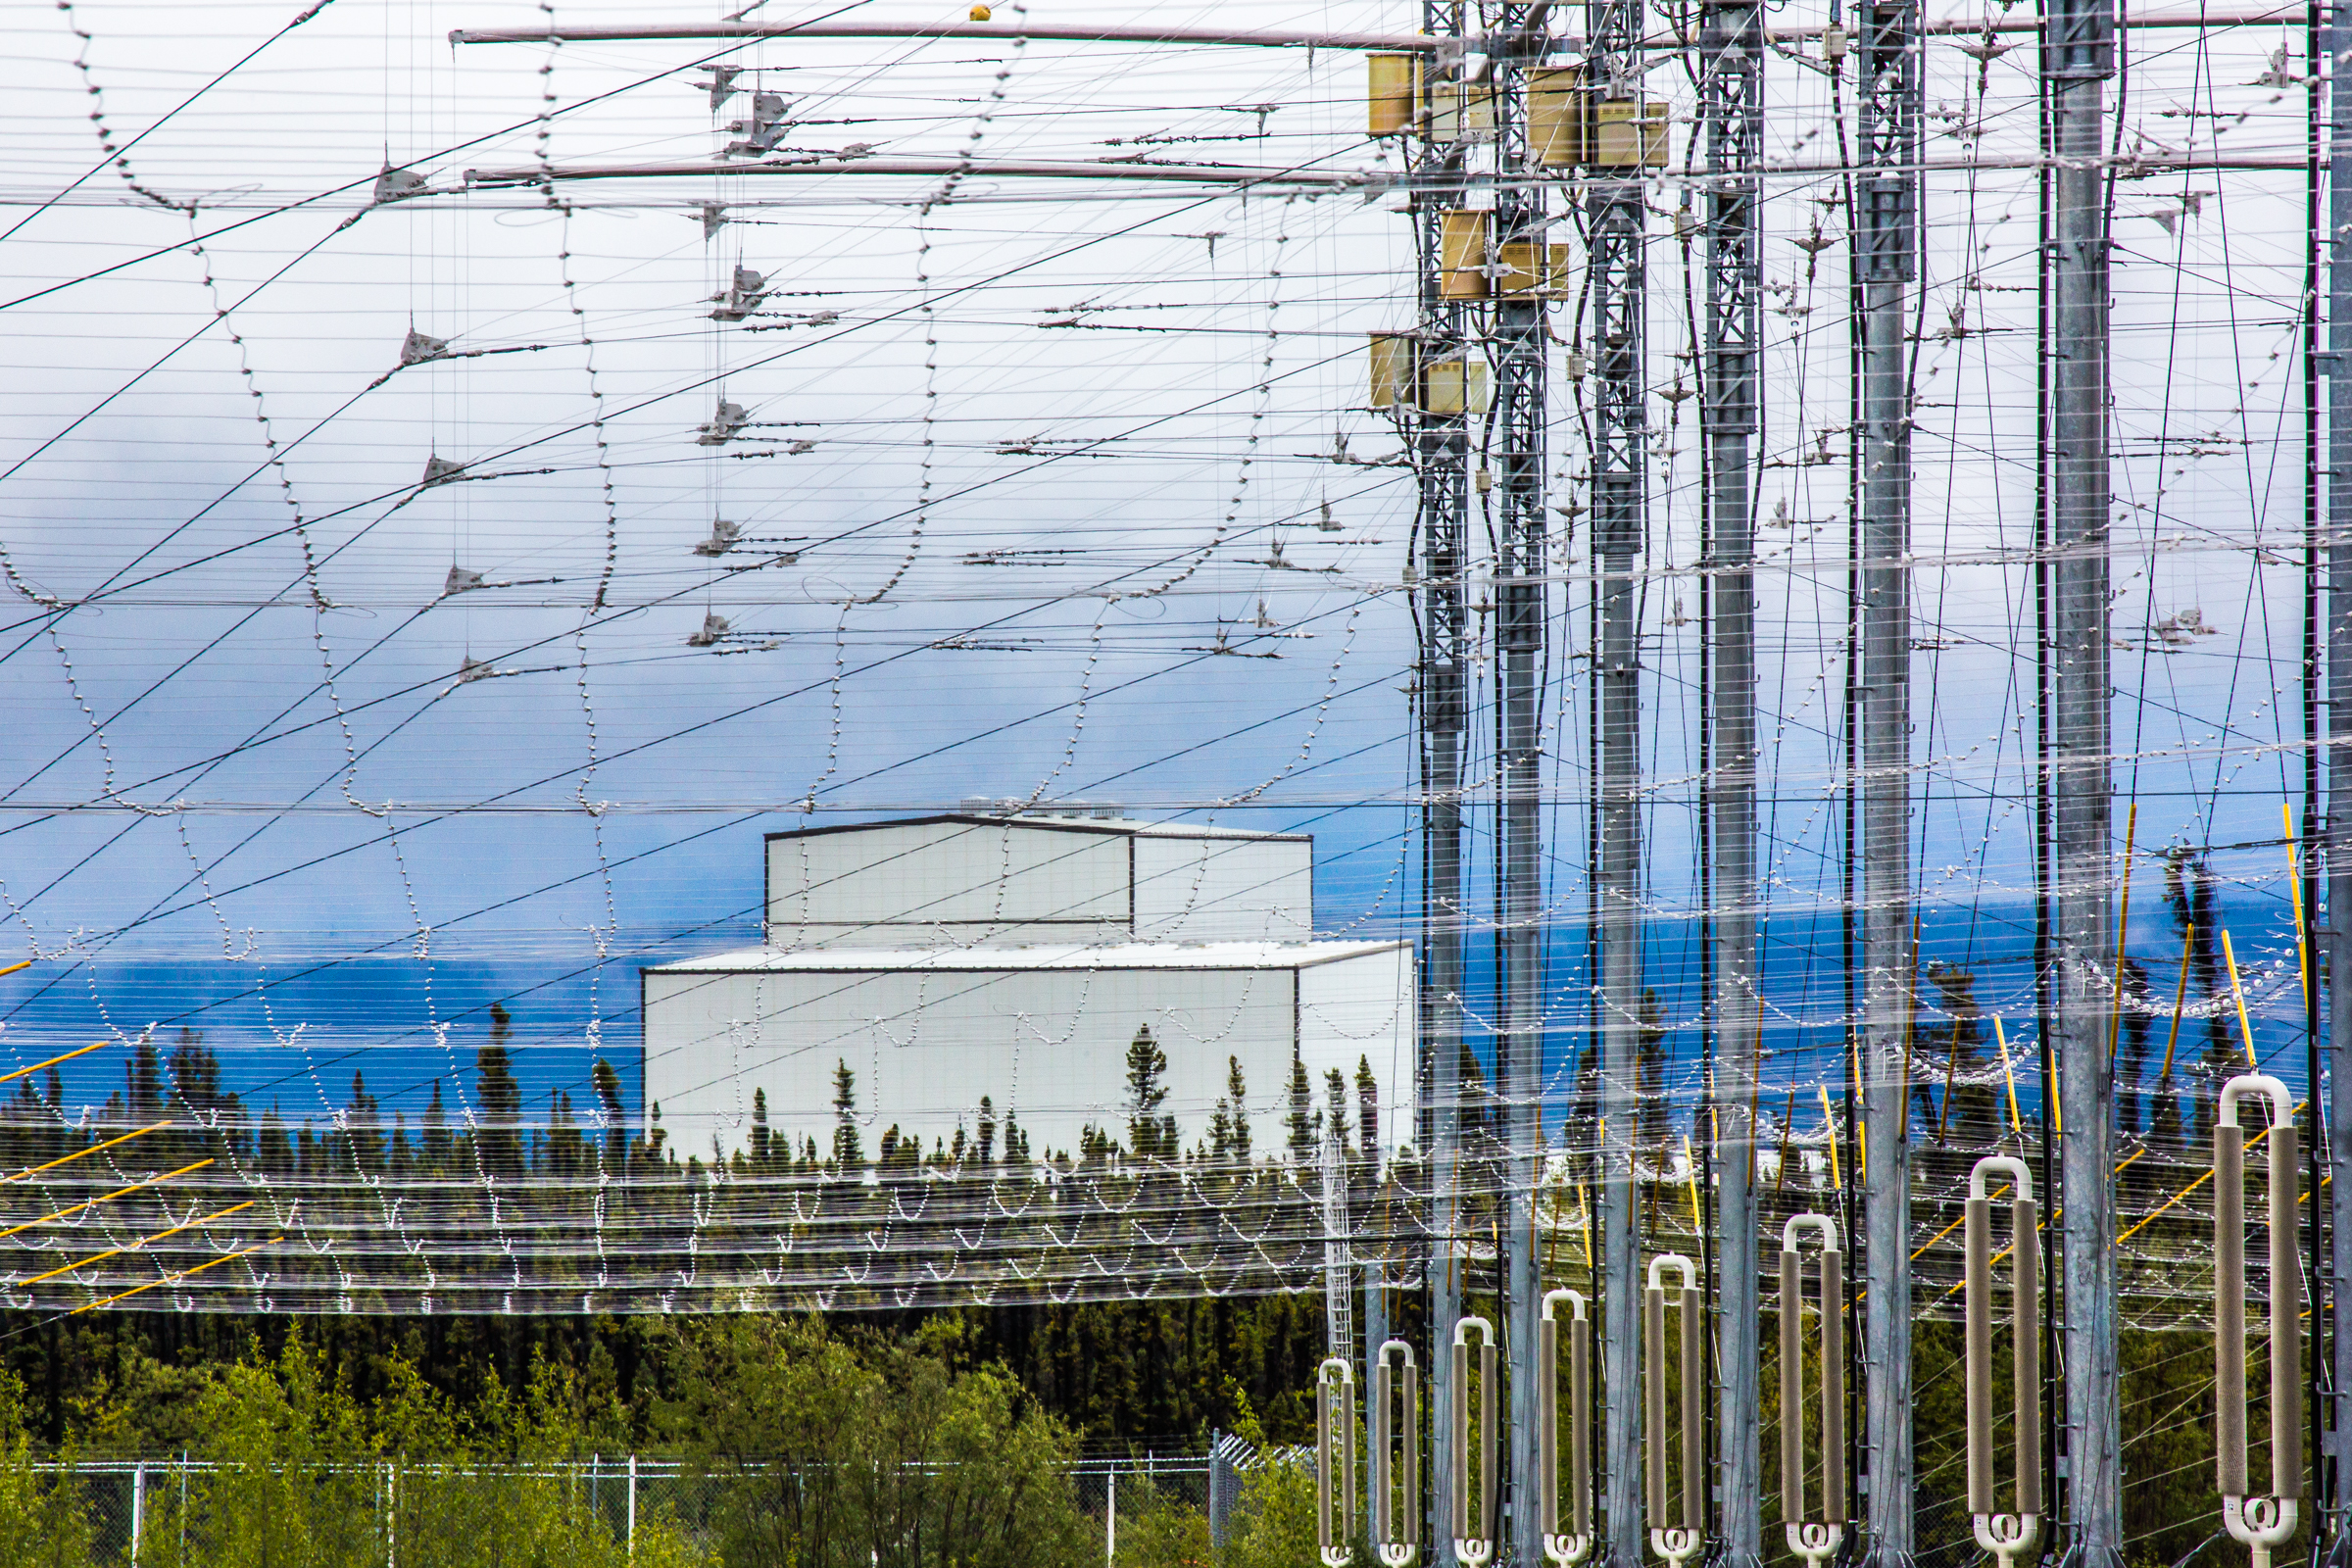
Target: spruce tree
x,y
1151,1134
848,1154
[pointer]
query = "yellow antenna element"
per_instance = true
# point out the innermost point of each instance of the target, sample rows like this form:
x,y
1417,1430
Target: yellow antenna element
x,y
2294,888
2237,991
980,13
2189,948
176,1278
119,1191
53,1060
2017,1123
2123,931
138,1245
1691,1174
85,1154
1830,1121
1585,1205
21,963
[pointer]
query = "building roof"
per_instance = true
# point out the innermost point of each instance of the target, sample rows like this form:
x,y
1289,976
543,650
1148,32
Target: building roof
x,y
1130,826
1044,955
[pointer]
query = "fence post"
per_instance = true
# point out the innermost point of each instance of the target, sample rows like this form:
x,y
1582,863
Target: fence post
x,y
1110,1527
138,1498
632,1541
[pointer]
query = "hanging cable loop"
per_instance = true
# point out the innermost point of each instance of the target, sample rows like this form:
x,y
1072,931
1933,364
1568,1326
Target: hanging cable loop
x,y
2257,1523
1815,1540
1574,1544
1473,1550
1680,1541
1396,1459
2014,1535
1335,1463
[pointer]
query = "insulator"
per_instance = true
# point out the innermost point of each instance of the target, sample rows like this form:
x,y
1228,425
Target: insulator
x,y
1475,1550
1574,1544
2259,1523
1396,1459
2012,1535
1335,1463
1815,1539
1680,1539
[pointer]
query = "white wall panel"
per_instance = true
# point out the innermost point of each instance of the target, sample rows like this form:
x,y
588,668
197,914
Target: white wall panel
x,y
1223,890
914,884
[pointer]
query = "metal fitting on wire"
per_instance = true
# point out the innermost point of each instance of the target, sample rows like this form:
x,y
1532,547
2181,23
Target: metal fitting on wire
x,y
2014,1535
1473,1550
1680,1540
1569,1546
1396,1459
2257,1523
1335,1463
1815,1540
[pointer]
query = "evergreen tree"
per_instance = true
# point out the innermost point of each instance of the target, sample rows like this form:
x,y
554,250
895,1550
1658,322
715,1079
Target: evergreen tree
x,y
1301,1117
760,1151
1367,1108
363,1130
1151,1134
498,1099
848,1152
1238,1092
437,1146
987,1147
607,1083
1334,1103
1649,1077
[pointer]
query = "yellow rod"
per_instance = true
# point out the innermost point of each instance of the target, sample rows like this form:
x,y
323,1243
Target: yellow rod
x,y
1584,1202
84,1153
1830,1120
173,1279
1952,1067
2294,888
2122,930
2017,1123
21,963
119,1191
138,1245
2189,948
1691,1173
2191,1186
1779,1173
2239,992
52,1061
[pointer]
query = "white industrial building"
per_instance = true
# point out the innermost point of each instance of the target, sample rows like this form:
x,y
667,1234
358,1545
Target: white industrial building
x,y
945,959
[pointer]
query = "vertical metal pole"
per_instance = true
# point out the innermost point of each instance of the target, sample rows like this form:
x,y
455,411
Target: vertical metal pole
x,y
1110,1517
631,1539
2078,57
1440,446
1886,261
1615,212
139,1507
1519,41
2337,834
1730,88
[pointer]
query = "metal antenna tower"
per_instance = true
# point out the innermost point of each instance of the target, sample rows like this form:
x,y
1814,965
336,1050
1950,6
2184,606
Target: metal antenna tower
x,y
1440,444
1615,285
1518,40
2337,39
1885,254
2078,55
1730,106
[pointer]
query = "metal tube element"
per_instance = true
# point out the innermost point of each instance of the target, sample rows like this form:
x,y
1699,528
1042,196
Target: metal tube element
x,y
923,168
1335,1463
2258,1523
2337,835
1396,1459
1686,1507
1474,1550
976,32
2007,1536
1516,442
1815,1540
1569,1546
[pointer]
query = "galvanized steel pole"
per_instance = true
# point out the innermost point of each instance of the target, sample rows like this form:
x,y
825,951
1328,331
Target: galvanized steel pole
x,y
2336,366
1886,197
2078,55
1730,86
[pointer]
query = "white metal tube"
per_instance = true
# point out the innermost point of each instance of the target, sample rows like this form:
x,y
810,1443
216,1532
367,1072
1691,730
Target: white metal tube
x,y
1473,1539
1815,1540
2258,1523
1572,1545
1395,1477
1335,1463
2007,1536
1675,1534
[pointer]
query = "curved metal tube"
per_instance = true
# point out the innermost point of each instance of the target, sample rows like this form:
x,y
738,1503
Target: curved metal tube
x,y
2258,1523
1474,1550
1396,1498
1574,1544
1680,1541
2014,1535
1335,1463
1815,1540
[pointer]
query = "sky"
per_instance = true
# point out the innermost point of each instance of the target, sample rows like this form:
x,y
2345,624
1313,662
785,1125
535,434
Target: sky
x,y
1046,490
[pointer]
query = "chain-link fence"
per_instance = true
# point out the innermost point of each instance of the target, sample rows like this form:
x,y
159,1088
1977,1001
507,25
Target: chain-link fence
x,y
183,1512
